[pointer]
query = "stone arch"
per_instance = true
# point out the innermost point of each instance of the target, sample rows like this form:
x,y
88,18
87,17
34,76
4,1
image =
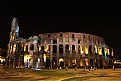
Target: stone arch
x,y
54,62
90,49
79,49
37,62
103,51
54,41
32,47
61,62
95,49
42,48
85,49
67,48
73,49
61,49
54,48
26,47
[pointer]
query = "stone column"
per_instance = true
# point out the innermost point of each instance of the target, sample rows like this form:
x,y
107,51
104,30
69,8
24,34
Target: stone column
x,y
34,61
41,60
89,62
9,62
83,62
19,61
64,55
51,48
94,64
70,55
57,55
13,62
77,59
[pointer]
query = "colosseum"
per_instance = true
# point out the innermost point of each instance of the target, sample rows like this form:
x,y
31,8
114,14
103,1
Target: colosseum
x,y
58,49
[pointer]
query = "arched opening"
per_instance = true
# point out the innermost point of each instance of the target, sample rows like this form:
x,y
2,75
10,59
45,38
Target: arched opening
x,y
47,62
85,50
95,49
42,48
19,47
103,51
73,49
90,49
32,47
79,49
26,47
74,62
61,49
54,63
67,48
54,41
91,62
99,51
37,62
61,62
30,63
54,48
81,63
101,63
86,62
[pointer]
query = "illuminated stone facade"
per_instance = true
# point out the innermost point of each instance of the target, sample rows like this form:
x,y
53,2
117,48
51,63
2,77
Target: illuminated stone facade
x,y
59,49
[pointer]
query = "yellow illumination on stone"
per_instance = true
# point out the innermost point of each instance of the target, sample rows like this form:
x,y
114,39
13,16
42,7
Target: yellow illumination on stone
x,y
99,51
75,47
1,59
69,48
26,58
95,49
108,52
74,61
81,64
60,60
25,48
44,57
112,53
39,47
115,62
81,50
14,47
85,50
47,48
13,37
10,51
86,60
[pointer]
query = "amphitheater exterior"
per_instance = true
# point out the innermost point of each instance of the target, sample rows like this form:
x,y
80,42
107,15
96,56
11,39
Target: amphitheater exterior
x,y
58,49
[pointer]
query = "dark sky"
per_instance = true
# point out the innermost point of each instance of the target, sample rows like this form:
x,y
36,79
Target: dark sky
x,y
91,17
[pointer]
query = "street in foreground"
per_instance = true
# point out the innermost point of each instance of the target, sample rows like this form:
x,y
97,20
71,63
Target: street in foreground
x,y
60,75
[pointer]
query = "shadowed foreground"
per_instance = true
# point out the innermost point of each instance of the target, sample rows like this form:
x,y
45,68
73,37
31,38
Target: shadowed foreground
x,y
60,75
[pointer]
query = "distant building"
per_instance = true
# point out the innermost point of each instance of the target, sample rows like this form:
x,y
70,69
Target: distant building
x,y
61,49
2,57
117,62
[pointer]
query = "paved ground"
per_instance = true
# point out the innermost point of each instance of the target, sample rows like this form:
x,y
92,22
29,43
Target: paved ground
x,y
60,75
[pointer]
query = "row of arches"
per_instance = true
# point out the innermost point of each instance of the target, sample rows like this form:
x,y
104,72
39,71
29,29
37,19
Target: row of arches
x,y
81,49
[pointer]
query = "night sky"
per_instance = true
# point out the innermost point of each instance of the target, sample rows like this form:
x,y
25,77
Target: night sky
x,y
35,17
